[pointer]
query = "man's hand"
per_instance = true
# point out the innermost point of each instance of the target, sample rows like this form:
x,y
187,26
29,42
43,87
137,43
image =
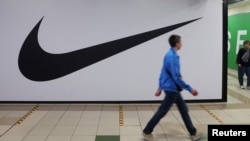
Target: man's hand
x,y
158,92
239,65
194,92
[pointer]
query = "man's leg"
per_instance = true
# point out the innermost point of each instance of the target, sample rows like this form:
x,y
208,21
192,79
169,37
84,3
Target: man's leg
x,y
162,111
240,75
184,114
248,76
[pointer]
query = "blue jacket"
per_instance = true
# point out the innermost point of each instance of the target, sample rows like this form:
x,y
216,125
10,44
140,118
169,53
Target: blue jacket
x,y
172,64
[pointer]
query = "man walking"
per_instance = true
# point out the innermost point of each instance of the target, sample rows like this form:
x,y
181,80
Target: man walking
x,y
243,62
171,83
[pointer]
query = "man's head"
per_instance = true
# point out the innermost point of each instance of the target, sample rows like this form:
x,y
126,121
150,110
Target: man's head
x,y
175,41
246,43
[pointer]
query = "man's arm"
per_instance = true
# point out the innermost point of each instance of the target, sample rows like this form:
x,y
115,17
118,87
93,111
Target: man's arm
x,y
158,92
238,60
176,76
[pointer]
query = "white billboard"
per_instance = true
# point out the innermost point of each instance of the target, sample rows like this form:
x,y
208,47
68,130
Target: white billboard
x,y
106,50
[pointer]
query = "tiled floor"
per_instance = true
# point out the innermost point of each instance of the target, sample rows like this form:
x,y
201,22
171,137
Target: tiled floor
x,y
117,122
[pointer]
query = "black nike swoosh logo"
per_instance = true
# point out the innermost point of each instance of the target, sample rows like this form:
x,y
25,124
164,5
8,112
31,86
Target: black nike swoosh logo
x,y
39,65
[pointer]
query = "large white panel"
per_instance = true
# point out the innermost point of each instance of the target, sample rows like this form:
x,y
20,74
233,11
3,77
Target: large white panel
x,y
130,75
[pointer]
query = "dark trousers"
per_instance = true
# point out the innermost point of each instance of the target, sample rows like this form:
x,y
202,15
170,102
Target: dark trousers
x,y
241,71
169,100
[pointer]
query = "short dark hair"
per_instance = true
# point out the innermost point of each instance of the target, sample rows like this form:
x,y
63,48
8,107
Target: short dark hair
x,y
174,39
246,42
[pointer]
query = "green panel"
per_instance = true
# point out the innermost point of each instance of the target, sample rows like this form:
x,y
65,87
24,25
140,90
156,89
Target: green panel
x,y
107,138
237,25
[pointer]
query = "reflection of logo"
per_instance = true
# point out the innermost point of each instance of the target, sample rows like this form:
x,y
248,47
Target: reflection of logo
x,y
38,65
